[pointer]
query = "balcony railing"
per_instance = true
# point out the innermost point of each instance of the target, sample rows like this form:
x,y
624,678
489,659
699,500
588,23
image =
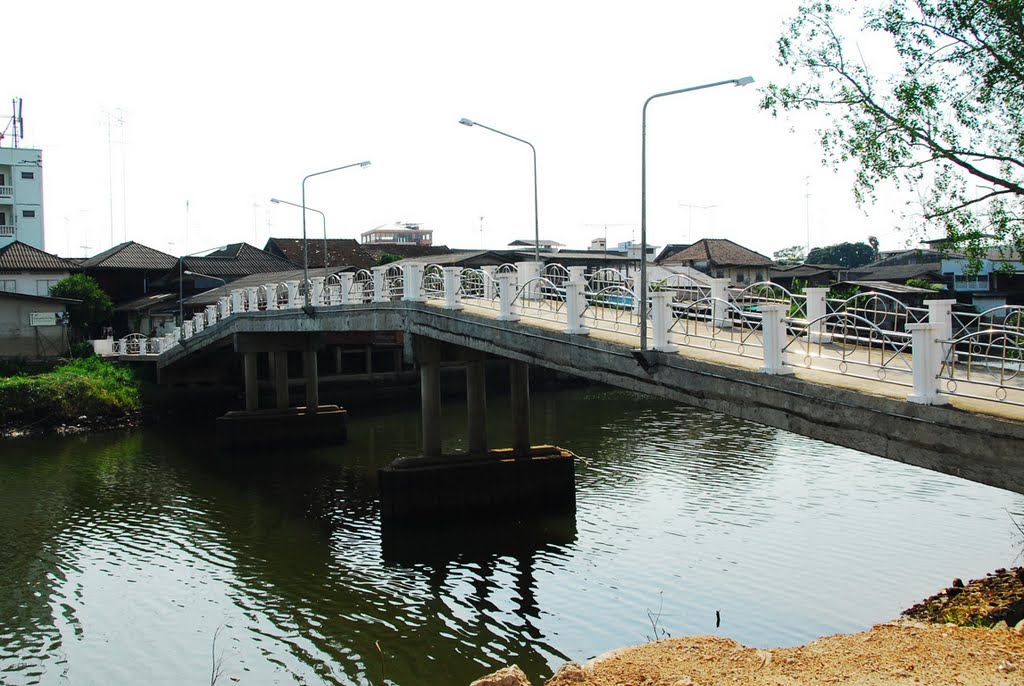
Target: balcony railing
x,y
6,231
6,191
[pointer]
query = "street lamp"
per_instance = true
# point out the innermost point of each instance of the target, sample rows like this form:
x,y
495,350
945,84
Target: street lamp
x,y
323,218
181,288
742,81
305,245
223,282
536,222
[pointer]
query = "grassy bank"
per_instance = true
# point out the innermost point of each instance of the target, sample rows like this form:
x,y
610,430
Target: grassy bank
x,y
89,387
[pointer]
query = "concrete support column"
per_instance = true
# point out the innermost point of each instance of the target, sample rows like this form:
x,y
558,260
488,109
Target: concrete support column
x,y
338,365
281,378
927,364
412,273
490,291
476,405
379,290
252,389
429,353
773,334
345,288
817,307
720,293
506,288
310,373
453,288
317,298
661,321
519,378
396,363
528,271
369,361
575,303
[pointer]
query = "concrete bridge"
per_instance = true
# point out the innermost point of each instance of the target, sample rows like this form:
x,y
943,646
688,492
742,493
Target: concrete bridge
x,y
919,386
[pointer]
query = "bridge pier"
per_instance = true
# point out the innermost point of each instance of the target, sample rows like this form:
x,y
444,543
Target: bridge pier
x,y
502,481
254,427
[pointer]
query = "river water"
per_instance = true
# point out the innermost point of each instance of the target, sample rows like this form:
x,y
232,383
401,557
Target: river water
x,y
147,557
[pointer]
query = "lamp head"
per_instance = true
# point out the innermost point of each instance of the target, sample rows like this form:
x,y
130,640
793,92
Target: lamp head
x,y
466,122
188,272
365,164
744,81
275,201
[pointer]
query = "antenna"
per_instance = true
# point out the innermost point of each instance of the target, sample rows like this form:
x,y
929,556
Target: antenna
x,y
21,123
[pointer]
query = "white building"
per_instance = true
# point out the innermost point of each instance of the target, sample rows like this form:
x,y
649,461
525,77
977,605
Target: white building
x,y
21,196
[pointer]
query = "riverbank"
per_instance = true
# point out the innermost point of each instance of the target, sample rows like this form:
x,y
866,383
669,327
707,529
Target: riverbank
x,y
968,634
75,396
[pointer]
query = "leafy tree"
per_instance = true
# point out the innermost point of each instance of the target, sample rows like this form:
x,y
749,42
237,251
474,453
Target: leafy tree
x,y
95,307
847,255
791,255
948,122
388,258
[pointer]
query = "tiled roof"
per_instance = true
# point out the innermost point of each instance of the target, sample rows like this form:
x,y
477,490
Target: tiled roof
x,y
404,250
897,272
237,259
341,252
21,257
720,252
131,255
145,302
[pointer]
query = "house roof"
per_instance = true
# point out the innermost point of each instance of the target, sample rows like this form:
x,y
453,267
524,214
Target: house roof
x,y
466,257
37,298
796,271
145,302
340,251
21,257
237,259
670,250
131,255
720,252
888,287
404,250
897,272
543,242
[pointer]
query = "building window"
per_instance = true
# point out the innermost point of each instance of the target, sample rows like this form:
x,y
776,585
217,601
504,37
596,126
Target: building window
x,y
28,175
43,286
28,213
760,277
9,286
740,276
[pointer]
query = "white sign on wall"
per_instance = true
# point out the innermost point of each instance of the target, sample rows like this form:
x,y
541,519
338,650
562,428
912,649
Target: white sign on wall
x,y
45,318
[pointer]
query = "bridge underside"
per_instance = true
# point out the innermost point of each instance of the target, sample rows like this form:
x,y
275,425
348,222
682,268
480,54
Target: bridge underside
x,y
979,447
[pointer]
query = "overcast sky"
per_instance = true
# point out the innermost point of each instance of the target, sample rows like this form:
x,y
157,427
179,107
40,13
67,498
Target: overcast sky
x,y
215,107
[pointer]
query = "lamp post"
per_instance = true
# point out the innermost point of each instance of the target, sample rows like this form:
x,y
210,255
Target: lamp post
x,y
742,81
323,217
536,222
305,245
181,288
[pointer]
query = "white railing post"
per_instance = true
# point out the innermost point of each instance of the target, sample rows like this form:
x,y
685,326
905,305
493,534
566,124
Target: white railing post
x,y
252,298
773,335
345,286
575,301
817,308
505,292
293,295
527,272
211,315
412,273
940,313
238,300
198,321
578,274
271,289
661,321
318,290
379,273
927,364
452,293
224,307
489,273
720,294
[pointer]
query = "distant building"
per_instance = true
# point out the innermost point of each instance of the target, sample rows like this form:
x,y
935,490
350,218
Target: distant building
x,y
30,271
33,325
633,249
722,259
341,252
402,233
21,196
543,243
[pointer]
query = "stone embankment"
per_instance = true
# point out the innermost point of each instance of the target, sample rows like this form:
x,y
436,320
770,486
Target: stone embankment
x,y
969,634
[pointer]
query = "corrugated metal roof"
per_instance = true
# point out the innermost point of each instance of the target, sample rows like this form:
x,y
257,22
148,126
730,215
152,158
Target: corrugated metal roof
x,y
720,252
340,252
131,255
404,250
21,257
237,259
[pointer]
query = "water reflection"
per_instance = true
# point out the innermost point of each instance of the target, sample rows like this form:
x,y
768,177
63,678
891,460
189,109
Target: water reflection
x,y
130,550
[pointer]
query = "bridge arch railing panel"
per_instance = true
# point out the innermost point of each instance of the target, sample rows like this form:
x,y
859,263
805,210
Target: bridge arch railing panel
x,y
884,311
480,288
394,282
607,277
613,308
719,325
539,298
556,274
433,282
986,365
769,293
683,288
853,345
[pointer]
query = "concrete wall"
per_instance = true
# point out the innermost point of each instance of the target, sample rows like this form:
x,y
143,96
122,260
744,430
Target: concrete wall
x,y
29,283
28,195
982,448
19,339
